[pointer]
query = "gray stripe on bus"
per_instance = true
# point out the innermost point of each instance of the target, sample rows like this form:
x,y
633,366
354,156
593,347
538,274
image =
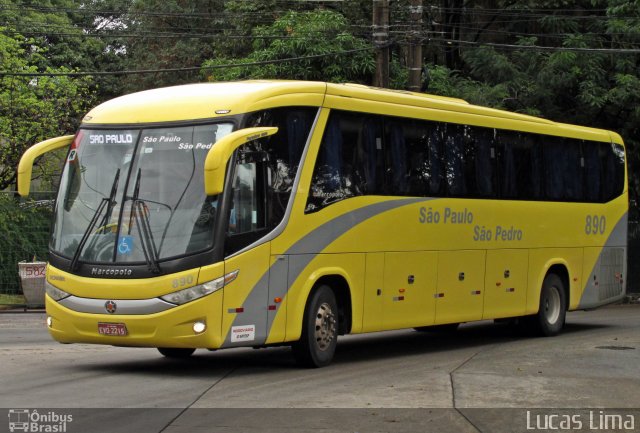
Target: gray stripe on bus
x,y
591,294
306,249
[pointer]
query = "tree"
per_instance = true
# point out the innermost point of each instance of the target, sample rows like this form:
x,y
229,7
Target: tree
x,y
586,78
33,108
166,34
316,39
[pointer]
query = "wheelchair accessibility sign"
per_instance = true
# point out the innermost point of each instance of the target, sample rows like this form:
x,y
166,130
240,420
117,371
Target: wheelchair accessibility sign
x,y
125,245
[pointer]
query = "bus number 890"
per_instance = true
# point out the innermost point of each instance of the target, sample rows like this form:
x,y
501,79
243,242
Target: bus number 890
x,y
595,224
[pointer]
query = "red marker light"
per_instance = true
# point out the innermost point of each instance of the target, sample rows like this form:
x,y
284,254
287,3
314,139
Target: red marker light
x,y
77,139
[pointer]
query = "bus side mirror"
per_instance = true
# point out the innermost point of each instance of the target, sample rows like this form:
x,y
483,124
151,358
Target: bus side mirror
x,y
28,158
216,162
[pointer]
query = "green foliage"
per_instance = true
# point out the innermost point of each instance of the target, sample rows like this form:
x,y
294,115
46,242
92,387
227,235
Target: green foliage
x,y
300,35
165,34
24,232
573,84
34,109
445,82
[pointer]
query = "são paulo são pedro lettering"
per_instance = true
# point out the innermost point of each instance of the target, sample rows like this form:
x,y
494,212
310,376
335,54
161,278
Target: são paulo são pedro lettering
x,y
481,233
178,140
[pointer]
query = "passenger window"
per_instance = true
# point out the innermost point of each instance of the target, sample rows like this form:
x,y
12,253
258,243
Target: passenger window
x,y
455,161
573,170
364,154
483,170
436,171
519,165
563,169
246,213
553,169
398,161
612,162
593,171
370,156
349,162
284,151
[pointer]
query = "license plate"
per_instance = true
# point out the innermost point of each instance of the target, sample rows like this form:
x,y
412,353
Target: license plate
x,y
116,329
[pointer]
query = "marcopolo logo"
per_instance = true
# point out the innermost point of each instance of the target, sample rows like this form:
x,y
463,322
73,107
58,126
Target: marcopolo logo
x,y
32,421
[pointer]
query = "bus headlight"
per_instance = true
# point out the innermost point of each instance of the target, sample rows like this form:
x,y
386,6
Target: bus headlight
x,y
196,292
55,293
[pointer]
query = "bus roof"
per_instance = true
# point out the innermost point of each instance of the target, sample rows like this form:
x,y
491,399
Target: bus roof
x,y
211,100
204,101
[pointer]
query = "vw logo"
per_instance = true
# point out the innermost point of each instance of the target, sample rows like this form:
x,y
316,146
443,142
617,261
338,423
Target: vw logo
x,y
110,306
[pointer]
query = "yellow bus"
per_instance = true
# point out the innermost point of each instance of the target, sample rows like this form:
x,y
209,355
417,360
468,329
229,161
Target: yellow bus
x,y
265,213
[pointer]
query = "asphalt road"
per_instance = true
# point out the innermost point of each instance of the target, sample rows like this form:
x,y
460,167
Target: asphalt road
x,y
484,378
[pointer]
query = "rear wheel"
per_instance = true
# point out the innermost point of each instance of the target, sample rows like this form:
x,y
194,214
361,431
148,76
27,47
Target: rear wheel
x,y
553,307
319,338
173,352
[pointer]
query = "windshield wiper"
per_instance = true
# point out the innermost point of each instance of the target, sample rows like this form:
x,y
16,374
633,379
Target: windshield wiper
x,y
106,202
141,212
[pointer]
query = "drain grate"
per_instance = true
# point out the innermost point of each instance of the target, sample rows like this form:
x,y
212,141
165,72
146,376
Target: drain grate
x,y
615,347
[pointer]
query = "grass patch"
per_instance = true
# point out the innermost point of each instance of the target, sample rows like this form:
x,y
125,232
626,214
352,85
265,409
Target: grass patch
x,y
7,301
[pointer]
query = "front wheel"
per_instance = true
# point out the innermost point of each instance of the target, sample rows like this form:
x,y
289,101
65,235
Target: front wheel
x,y
553,307
319,337
173,352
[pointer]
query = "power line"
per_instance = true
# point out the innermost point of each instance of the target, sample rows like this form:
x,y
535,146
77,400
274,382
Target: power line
x,y
130,12
188,69
450,42
166,35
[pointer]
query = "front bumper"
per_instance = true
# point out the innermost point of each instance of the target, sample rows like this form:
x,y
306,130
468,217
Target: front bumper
x,y
169,328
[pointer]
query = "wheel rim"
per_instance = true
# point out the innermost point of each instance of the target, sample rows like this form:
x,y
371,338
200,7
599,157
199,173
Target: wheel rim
x,y
325,326
552,306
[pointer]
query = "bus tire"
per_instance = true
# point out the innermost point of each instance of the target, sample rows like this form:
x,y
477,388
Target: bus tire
x,y
175,352
319,337
553,307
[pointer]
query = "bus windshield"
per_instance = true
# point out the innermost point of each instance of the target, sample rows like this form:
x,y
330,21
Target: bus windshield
x,y
136,195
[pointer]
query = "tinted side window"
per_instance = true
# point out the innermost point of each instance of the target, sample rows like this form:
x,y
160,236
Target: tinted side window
x,y
612,163
483,172
350,161
284,150
454,156
593,171
553,156
563,169
573,170
364,154
415,152
520,165
398,157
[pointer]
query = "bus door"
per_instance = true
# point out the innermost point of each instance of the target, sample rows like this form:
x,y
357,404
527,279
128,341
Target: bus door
x,y
246,300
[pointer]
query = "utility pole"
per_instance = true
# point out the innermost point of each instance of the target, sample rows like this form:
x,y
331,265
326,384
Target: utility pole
x,y
414,61
381,42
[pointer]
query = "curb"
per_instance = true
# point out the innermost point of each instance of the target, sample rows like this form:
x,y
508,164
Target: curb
x,y
21,309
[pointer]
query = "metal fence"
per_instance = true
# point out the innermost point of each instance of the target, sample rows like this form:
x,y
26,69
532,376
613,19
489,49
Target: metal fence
x,y
24,234
25,225
633,258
